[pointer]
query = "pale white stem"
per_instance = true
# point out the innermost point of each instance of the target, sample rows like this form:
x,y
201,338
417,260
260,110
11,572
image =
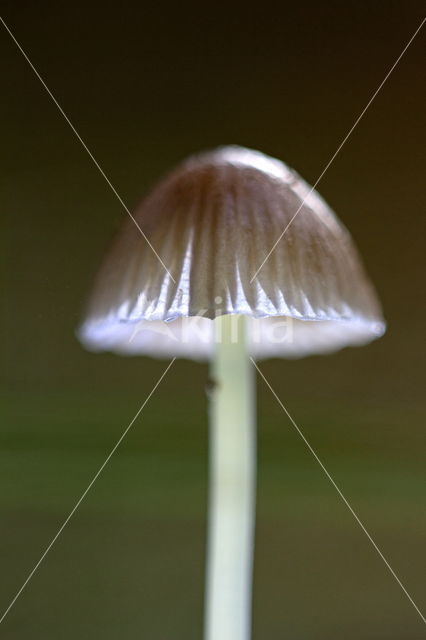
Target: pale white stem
x,y
232,485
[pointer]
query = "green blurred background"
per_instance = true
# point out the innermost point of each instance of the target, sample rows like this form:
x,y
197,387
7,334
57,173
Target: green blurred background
x,y
146,85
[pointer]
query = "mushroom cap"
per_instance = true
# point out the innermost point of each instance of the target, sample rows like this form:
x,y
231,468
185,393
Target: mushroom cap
x,y
213,220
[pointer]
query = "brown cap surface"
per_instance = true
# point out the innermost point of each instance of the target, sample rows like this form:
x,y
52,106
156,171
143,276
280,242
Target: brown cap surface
x,y
213,221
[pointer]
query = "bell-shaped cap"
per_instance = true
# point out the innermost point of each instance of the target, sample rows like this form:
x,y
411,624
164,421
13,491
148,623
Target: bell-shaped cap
x,y
212,221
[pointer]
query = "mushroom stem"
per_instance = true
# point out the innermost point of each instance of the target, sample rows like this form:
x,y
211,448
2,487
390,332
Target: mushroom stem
x,y
232,485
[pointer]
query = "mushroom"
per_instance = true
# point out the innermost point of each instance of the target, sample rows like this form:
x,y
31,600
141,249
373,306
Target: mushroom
x,y
213,221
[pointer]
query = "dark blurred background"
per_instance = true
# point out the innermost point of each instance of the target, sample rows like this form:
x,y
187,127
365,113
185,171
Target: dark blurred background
x,y
146,84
